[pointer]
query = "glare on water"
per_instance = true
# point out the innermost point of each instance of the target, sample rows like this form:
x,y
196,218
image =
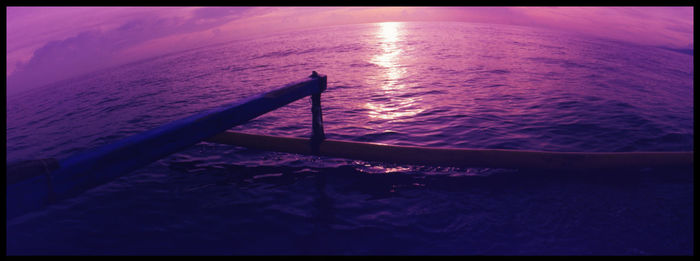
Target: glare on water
x,y
390,36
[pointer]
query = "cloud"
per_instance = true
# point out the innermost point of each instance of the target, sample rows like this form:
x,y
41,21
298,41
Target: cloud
x,y
219,12
640,25
60,59
95,48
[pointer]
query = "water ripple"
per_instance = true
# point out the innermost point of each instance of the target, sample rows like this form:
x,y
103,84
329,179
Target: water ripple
x,y
422,84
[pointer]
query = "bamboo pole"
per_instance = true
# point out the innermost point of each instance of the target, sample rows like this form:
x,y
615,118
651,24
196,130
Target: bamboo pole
x,y
36,184
490,158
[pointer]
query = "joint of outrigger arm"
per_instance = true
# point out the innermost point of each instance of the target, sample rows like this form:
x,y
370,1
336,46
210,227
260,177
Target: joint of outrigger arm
x,y
317,133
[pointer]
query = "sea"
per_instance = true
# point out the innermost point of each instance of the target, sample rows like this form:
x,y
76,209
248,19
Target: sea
x,y
434,84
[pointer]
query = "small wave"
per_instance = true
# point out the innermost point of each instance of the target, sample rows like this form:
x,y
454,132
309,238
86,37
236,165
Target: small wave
x,y
498,71
570,64
234,68
277,54
592,98
382,136
119,107
363,65
569,104
433,111
139,119
622,105
677,138
432,92
315,50
107,99
545,60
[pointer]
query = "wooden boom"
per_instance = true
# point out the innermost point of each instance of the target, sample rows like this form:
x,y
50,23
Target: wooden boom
x,y
490,158
37,183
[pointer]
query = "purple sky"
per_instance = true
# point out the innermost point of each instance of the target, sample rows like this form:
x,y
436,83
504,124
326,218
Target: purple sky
x,y
47,44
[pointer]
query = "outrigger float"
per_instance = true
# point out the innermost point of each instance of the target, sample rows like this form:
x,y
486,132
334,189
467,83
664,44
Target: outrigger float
x,y
34,184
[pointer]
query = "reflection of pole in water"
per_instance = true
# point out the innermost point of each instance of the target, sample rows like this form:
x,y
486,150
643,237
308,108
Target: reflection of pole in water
x,y
323,203
319,241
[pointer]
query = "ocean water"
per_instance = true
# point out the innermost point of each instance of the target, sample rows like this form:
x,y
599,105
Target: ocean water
x,y
458,85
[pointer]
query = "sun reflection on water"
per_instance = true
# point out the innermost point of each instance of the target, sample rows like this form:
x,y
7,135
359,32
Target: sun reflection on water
x,y
389,37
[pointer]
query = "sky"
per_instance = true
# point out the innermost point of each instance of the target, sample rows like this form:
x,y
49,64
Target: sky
x,y
49,44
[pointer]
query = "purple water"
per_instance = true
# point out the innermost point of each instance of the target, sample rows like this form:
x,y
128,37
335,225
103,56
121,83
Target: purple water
x,y
455,85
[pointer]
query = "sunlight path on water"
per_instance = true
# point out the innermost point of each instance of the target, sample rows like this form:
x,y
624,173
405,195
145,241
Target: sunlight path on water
x,y
390,38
